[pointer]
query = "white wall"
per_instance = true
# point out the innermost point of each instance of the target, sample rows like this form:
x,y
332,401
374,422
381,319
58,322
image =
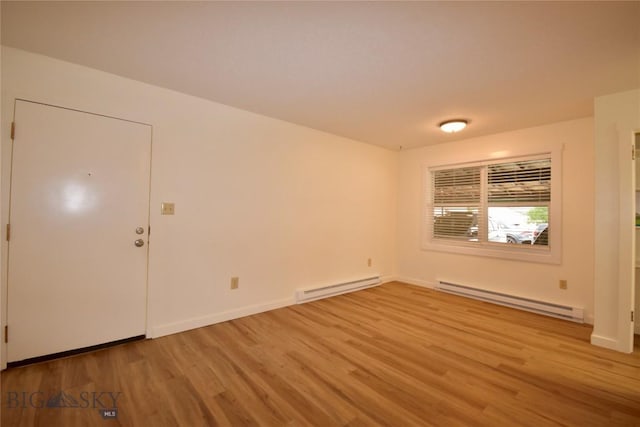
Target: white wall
x,y
617,117
278,205
527,279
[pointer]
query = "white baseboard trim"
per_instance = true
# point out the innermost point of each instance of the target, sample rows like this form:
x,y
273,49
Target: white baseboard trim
x,y
605,342
417,282
210,319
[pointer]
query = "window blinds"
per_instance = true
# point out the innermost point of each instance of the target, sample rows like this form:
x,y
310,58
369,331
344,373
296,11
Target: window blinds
x,y
456,194
520,182
456,187
461,197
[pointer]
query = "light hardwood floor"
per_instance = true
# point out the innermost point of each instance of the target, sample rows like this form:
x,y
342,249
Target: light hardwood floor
x,y
395,355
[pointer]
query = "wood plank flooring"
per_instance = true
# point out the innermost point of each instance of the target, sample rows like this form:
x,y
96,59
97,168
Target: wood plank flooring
x,y
395,355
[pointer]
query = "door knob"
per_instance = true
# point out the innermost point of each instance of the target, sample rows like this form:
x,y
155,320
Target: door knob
x,y
139,242
139,230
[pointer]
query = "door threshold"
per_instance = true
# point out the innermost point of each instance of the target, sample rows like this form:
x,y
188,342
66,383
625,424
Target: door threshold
x,y
68,353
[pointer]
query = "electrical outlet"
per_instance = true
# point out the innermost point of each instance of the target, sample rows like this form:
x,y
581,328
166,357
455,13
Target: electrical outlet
x,y
369,262
563,284
235,282
168,208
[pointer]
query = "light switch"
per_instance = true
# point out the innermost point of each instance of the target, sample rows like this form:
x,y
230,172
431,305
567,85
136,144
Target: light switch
x,y
168,208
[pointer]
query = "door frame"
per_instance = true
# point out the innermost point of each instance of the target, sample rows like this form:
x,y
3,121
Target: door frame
x,y
6,174
635,296
626,240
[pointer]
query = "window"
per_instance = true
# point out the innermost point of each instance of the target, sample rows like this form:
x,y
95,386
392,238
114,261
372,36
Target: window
x,y
497,208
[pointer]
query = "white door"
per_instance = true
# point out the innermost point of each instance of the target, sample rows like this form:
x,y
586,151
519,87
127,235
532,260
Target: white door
x,y
79,202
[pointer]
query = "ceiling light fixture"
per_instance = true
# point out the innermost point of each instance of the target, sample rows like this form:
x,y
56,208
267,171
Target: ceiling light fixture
x,y
452,126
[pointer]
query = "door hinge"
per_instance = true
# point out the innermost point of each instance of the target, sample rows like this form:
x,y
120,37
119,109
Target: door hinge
x,y
633,152
632,316
6,333
149,233
8,232
13,130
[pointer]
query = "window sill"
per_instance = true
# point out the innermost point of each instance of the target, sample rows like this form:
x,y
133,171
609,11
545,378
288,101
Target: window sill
x,y
515,252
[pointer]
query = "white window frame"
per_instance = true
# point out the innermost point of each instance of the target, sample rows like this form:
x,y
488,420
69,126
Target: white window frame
x,y
550,254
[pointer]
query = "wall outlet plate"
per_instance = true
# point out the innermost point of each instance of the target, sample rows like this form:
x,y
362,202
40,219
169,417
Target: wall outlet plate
x,y
168,208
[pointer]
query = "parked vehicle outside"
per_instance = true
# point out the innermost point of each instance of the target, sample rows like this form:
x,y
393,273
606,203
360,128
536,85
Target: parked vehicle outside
x,y
541,236
464,225
503,227
529,237
515,235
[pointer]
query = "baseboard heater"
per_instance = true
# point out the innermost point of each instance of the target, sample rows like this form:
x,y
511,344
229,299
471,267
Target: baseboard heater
x,y
541,307
311,294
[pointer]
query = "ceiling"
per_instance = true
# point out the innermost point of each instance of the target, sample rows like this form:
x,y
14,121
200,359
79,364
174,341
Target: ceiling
x,y
385,73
